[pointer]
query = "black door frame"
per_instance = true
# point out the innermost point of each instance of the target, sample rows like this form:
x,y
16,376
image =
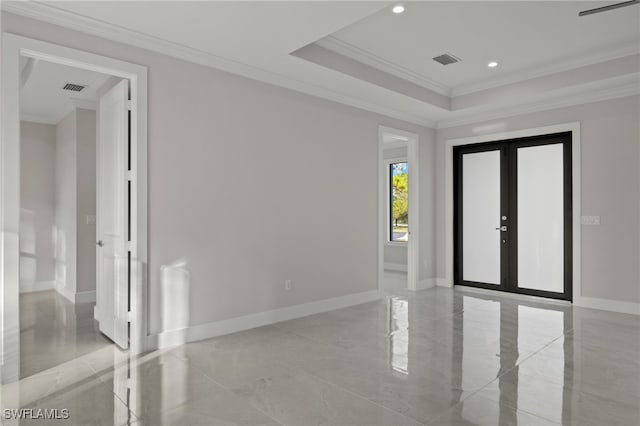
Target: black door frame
x,y
509,208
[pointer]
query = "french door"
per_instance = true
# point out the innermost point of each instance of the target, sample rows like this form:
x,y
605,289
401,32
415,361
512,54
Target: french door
x,y
512,215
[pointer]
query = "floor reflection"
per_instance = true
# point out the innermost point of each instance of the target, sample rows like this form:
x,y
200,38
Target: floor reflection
x,y
437,357
54,330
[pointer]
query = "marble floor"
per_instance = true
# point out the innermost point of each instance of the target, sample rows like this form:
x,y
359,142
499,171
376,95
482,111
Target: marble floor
x,y
434,357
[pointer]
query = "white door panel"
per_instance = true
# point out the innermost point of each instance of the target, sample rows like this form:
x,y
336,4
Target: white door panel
x,y
112,260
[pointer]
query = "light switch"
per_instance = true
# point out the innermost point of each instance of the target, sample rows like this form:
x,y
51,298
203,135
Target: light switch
x,y
591,220
91,219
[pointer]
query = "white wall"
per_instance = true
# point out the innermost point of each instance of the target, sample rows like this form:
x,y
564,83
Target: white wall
x,y
37,193
86,199
66,194
251,184
75,191
610,141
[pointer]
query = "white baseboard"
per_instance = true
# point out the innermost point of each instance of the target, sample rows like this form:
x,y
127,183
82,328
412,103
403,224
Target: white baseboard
x,y
233,325
29,287
85,296
425,284
65,292
395,267
607,305
443,282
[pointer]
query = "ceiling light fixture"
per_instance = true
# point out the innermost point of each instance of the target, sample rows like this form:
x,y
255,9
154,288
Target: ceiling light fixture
x,y
398,9
492,64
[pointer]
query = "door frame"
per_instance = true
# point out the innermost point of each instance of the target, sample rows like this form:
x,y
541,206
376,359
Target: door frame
x,y
13,46
508,151
413,246
574,129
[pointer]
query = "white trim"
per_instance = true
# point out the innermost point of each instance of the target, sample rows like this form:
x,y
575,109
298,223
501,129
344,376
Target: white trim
x,y
13,47
442,282
76,22
399,267
601,90
607,305
574,128
31,287
413,246
627,49
356,53
61,288
233,325
85,296
428,283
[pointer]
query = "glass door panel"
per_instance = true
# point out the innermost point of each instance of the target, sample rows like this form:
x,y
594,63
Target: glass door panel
x,y
540,171
481,217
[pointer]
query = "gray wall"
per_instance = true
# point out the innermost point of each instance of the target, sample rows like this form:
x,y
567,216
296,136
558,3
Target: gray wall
x,y
37,209
610,141
251,184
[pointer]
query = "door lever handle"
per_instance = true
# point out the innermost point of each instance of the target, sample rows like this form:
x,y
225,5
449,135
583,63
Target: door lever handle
x,y
502,228
100,243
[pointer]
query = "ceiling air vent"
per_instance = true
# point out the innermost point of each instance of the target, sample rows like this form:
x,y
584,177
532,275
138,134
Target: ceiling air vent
x,y
446,59
73,87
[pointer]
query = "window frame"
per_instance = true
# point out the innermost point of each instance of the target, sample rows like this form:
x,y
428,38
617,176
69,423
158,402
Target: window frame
x,y
388,215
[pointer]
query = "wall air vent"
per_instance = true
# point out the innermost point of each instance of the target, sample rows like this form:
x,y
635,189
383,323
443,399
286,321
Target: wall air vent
x,y
73,87
446,59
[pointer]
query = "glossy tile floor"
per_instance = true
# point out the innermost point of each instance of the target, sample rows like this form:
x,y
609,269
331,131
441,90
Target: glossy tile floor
x,y
434,357
54,330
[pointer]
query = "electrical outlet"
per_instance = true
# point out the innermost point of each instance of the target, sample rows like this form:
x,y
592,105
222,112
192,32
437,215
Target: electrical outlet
x,y
590,220
287,285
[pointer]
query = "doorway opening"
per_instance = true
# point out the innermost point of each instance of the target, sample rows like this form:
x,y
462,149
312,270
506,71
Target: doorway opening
x,y
73,206
398,210
513,219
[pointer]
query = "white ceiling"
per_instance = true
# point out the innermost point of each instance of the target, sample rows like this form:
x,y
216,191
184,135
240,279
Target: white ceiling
x,y
256,39
42,98
518,35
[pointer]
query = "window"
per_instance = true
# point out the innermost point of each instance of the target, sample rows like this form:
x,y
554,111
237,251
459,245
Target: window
x,y
399,201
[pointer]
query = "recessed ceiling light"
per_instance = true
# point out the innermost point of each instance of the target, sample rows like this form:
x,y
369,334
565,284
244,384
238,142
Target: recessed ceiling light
x,y
492,64
398,9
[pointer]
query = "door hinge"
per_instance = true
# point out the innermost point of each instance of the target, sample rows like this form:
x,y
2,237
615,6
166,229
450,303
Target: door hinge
x,y
129,245
129,105
130,175
129,316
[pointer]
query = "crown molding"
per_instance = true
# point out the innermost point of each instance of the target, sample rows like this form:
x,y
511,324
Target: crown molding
x,y
613,88
84,103
38,119
626,49
361,55
76,22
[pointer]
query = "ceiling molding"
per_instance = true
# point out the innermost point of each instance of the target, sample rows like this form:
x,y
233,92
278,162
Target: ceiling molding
x,y
627,49
84,103
594,92
361,55
73,21
38,119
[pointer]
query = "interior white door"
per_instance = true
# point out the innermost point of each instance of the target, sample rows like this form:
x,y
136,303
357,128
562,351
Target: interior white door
x,y
112,287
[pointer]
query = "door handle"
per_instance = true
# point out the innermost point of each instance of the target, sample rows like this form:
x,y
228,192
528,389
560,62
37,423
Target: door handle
x,y
502,228
100,243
